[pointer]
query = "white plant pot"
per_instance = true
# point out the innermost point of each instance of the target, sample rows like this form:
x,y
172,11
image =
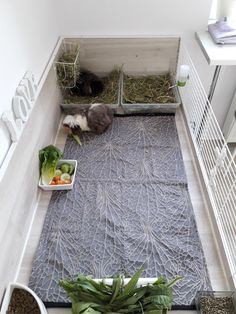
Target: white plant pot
x,y
7,297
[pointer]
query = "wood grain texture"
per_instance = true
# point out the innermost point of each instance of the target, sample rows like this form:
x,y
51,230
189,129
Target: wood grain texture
x,y
19,187
156,55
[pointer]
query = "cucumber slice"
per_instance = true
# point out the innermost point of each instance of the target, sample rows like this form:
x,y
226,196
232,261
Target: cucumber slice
x,y
65,176
58,173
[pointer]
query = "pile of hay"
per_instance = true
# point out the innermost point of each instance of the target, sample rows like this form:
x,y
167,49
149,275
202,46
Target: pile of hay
x,y
108,96
67,69
148,89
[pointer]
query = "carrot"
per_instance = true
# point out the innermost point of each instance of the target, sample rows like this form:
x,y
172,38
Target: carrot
x,y
56,178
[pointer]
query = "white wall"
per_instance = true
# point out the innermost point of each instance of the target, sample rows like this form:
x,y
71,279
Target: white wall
x,y
28,32
137,17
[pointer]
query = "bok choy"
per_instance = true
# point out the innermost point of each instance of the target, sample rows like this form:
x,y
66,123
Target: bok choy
x,y
48,158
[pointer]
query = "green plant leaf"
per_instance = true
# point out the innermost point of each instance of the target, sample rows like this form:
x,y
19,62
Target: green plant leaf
x,y
163,300
159,290
116,287
154,312
80,307
131,284
91,311
160,280
48,160
131,300
101,287
174,281
90,297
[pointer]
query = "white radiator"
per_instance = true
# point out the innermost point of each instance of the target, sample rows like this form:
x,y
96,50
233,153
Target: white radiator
x,y
216,162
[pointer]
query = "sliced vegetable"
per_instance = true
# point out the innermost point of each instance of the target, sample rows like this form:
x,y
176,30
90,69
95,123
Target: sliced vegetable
x,y
58,172
48,158
65,176
56,178
72,169
65,168
67,181
77,139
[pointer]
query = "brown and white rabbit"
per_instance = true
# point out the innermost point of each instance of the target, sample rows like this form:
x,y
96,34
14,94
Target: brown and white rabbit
x,y
97,118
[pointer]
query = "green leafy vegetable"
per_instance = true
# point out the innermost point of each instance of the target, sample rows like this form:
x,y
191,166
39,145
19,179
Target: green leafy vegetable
x,y
65,168
90,297
48,158
77,139
72,169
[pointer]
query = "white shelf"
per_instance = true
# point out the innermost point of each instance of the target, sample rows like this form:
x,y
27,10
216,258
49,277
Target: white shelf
x,y
216,54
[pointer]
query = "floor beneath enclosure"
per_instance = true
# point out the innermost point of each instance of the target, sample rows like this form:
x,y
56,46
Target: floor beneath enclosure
x,y
214,267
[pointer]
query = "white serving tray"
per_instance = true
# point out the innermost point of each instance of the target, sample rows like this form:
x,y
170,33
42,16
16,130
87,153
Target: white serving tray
x,y
61,186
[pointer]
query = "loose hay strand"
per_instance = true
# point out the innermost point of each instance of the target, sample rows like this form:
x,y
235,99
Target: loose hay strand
x,y
108,96
147,89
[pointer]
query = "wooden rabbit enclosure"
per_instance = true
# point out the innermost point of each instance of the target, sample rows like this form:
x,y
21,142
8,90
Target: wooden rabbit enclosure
x,y
137,72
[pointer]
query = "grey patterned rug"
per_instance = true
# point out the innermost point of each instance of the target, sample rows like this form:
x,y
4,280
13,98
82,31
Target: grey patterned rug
x,y
130,206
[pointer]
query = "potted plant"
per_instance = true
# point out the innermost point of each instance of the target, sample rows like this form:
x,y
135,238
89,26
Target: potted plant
x,y
95,297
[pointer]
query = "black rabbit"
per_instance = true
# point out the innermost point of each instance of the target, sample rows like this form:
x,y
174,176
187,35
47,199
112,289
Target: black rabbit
x,y
88,84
